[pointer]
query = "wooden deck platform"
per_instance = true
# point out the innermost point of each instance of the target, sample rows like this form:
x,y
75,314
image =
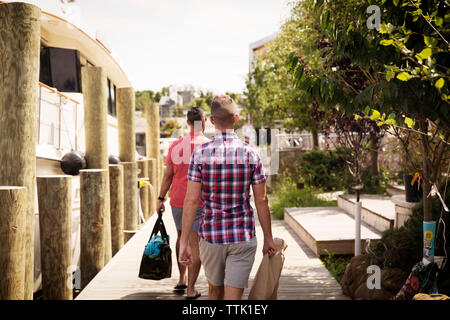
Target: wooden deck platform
x,y
303,277
377,211
327,229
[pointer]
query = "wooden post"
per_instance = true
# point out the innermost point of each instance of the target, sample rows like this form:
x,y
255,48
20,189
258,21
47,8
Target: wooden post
x,y
161,172
130,199
96,133
153,138
153,175
152,193
19,76
94,203
55,229
144,192
117,208
13,212
151,200
125,121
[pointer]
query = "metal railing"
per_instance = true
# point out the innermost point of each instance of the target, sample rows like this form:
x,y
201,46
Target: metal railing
x,y
57,120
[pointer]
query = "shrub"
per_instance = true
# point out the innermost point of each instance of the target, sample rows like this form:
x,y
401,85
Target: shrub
x,y
287,195
325,169
402,248
336,264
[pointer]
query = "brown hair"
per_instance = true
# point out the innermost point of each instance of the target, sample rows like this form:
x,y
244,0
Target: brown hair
x,y
195,114
223,110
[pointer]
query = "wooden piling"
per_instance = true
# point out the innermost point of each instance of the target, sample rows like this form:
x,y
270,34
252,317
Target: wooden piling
x,y
130,198
153,175
161,171
94,203
125,121
151,200
55,230
13,212
19,76
116,206
153,138
96,133
144,192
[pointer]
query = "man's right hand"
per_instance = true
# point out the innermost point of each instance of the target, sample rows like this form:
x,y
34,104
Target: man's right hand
x,y
160,206
269,247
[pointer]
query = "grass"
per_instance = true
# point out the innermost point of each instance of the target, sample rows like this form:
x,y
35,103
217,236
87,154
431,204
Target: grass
x,y
287,195
336,264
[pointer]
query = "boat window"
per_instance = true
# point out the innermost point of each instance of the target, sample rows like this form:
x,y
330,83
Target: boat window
x,y
111,90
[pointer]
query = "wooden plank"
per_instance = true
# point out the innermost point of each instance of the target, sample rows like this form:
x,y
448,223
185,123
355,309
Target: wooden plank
x,y
377,211
327,229
303,275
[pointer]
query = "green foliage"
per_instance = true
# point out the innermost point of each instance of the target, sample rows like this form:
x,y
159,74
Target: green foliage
x,y
169,127
179,111
287,195
148,96
203,101
325,170
396,70
336,264
271,97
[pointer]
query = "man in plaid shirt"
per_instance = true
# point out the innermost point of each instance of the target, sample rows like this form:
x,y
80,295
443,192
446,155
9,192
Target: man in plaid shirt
x,y
222,171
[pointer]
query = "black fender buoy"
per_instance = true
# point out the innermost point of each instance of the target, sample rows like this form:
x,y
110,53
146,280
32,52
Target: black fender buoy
x,y
72,162
113,159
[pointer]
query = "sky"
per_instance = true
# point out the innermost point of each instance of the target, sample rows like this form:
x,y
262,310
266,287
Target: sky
x,y
204,43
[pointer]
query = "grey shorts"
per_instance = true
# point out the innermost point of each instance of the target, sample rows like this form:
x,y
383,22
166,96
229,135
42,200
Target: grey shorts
x,y
228,264
177,214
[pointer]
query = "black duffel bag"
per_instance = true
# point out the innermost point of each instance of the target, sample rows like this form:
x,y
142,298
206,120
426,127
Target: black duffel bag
x,y
157,265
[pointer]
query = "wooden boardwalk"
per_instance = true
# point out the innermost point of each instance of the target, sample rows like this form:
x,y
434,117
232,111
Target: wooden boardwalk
x,y
303,277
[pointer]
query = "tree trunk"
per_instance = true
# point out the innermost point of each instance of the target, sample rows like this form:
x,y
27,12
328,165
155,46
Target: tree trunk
x,y
19,76
425,146
374,145
315,137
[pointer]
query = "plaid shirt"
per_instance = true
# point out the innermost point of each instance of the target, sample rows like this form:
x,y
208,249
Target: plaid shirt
x,y
226,167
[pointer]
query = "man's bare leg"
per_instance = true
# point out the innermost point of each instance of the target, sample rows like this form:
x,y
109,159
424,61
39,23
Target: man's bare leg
x,y
215,292
194,268
182,280
232,293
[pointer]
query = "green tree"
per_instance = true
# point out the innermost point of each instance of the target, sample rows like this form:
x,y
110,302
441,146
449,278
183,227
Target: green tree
x,y
270,95
395,71
169,127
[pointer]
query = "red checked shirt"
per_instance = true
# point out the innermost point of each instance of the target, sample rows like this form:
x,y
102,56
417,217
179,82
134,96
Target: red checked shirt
x,y
226,167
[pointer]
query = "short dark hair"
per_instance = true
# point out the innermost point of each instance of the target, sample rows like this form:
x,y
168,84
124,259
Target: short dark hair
x,y
195,114
223,110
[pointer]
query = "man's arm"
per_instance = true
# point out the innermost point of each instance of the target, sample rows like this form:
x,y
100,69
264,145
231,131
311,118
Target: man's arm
x,y
189,210
165,185
262,207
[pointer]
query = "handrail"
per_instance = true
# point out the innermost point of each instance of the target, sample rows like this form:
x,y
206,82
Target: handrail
x,y
57,92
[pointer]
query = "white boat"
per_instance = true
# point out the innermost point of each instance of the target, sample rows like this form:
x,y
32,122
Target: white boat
x,y
60,112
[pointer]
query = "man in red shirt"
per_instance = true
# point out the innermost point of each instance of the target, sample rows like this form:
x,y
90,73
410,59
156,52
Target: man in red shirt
x,y
175,178
222,171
